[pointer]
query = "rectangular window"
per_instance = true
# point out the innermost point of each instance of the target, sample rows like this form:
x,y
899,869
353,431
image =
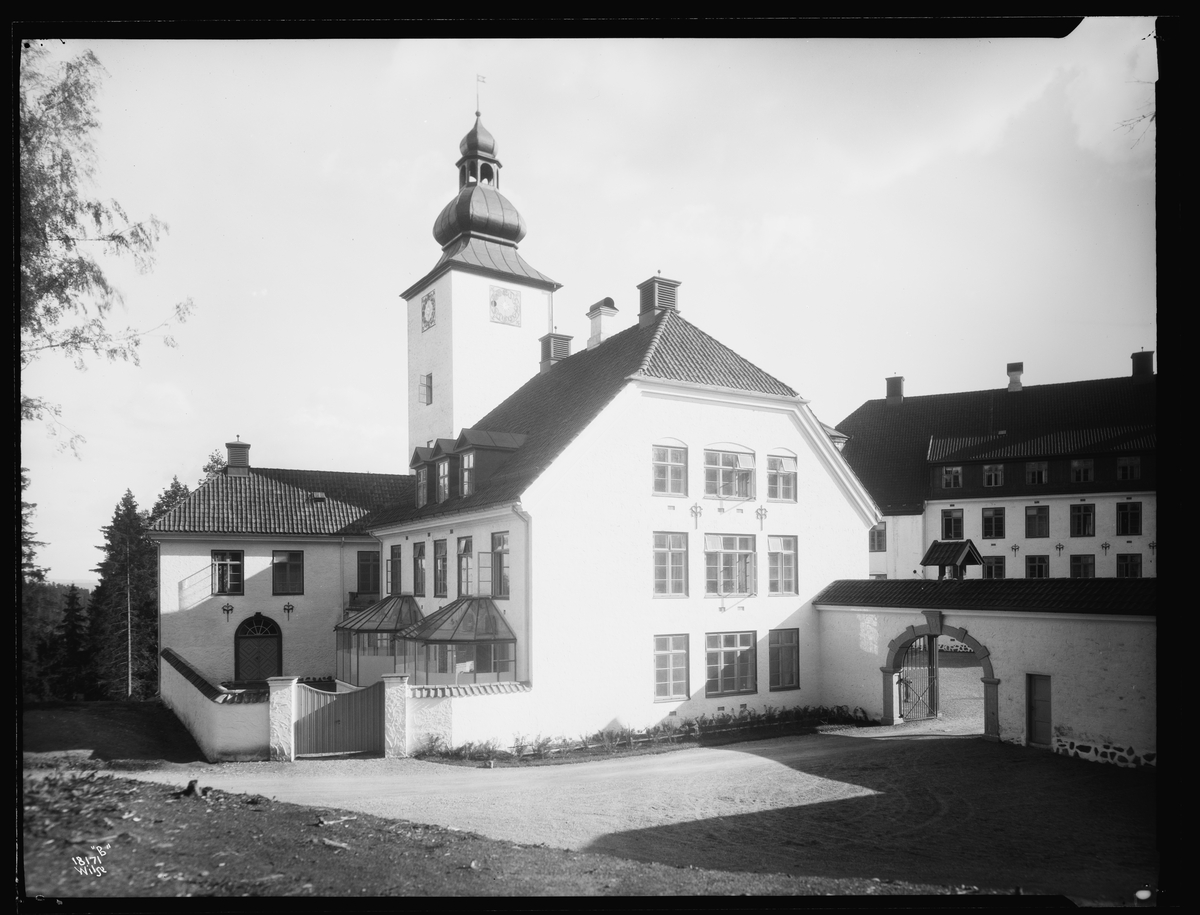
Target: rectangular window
x,y
728,564
1037,473
368,572
443,480
993,474
1083,470
670,471
993,524
1083,566
492,657
670,667
781,479
287,571
952,524
1129,565
425,389
394,569
670,564
418,570
466,474
877,538
784,651
1037,520
422,486
1129,518
439,568
731,666
781,556
952,478
1083,521
500,565
1037,566
993,566
465,586
227,572
1129,468
729,474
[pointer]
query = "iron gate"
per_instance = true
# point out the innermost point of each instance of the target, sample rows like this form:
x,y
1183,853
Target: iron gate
x,y
328,723
918,680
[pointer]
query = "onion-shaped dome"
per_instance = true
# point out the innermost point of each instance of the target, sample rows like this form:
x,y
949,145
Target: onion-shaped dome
x,y
479,210
478,141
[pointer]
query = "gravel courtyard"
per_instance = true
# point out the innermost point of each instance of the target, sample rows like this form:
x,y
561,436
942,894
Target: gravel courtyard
x,y
921,803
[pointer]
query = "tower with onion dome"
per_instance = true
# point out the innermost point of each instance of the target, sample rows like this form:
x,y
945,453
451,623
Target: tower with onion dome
x,y
475,320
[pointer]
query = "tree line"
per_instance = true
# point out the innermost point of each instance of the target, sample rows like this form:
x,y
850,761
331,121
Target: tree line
x,y
103,643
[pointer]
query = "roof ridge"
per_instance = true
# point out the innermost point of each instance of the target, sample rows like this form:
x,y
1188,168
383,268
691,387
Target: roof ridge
x,y
1024,388
660,325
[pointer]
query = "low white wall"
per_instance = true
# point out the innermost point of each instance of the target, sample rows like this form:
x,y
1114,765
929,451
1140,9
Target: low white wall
x,y
456,720
225,731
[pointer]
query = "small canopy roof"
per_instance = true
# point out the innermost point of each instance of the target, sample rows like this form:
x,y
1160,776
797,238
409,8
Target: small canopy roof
x,y
952,553
393,613
468,619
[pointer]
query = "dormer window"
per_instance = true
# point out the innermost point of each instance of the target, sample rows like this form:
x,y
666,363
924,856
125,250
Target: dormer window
x,y
443,480
466,472
422,486
952,478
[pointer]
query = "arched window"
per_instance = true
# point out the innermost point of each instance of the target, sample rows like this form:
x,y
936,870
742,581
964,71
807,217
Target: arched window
x,y
485,174
258,649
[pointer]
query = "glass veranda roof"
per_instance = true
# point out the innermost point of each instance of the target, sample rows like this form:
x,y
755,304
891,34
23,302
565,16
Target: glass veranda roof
x,y
391,614
468,619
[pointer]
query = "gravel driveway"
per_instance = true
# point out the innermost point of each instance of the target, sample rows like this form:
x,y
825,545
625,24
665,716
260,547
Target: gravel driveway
x,y
924,804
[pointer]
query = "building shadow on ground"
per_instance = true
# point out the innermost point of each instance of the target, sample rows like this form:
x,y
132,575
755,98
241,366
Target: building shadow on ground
x,y
933,810
106,731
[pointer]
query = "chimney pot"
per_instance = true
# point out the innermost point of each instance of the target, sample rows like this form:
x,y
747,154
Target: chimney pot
x,y
656,295
598,313
1014,375
1143,366
895,389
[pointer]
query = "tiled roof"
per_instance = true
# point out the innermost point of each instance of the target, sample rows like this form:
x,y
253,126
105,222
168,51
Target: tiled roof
x,y
952,553
479,255
1117,596
467,689
273,501
554,407
890,445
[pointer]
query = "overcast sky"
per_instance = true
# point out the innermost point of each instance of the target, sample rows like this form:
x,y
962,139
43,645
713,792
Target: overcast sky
x,y
837,211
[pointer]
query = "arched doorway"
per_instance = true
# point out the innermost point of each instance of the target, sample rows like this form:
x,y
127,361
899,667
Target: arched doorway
x,y
917,645
258,649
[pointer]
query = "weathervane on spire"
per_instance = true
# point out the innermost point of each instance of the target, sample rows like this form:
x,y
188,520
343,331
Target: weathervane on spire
x,y
478,79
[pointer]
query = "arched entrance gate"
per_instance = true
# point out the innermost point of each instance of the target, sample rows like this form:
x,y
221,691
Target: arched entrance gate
x,y
907,692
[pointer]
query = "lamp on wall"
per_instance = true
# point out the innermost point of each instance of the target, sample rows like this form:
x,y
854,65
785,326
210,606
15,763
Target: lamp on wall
x,y
1059,547
1106,546
227,610
288,608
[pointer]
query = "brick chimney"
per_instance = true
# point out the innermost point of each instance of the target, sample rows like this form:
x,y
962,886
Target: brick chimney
x,y
598,313
895,389
555,348
657,295
1143,366
238,462
1014,375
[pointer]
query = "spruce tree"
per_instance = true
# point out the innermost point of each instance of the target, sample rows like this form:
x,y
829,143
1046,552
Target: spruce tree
x,y
69,658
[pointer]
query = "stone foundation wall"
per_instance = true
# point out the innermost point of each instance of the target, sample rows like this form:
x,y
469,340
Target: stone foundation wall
x,y
1105,753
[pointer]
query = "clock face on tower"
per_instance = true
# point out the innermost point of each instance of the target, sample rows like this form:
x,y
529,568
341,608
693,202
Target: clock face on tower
x,y
505,307
428,311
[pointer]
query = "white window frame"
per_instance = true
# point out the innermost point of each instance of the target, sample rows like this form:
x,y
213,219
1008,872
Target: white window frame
x,y
443,480
781,478
422,486
670,564
1129,468
731,663
1083,470
783,659
671,668
993,475
952,477
670,470
997,514
782,565
466,473
728,475
877,538
465,566
730,562
1037,473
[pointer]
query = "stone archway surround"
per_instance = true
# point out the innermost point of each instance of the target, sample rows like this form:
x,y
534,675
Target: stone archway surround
x,y
933,625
